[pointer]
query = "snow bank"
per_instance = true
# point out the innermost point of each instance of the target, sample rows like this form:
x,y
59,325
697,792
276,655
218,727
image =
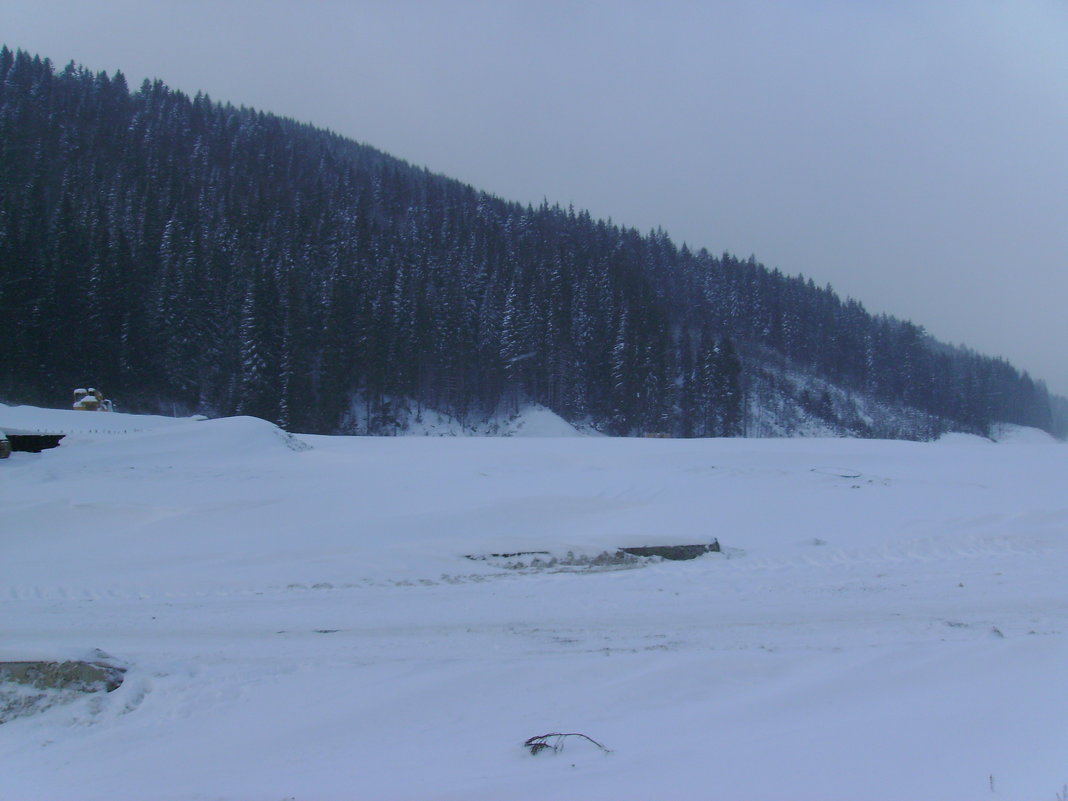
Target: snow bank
x,y
34,420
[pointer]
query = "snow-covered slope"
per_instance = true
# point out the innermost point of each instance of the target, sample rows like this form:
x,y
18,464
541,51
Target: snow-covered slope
x,y
886,621
408,419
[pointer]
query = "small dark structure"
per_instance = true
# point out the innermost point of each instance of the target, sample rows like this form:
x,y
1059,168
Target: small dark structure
x,y
675,553
27,688
620,556
86,676
33,443
484,556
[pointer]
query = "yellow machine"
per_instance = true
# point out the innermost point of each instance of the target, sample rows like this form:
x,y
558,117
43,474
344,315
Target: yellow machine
x,y
91,400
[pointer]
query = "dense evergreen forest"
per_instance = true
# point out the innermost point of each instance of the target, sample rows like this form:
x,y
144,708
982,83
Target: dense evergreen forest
x,y
190,255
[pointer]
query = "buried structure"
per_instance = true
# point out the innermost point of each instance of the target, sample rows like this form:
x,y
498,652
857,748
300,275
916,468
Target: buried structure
x,y
629,556
674,553
30,687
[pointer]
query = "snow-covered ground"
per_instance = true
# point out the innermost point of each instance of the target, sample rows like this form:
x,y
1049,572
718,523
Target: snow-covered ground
x,y
888,620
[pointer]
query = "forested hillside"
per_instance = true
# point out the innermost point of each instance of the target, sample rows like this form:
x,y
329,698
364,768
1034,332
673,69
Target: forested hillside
x,y
187,254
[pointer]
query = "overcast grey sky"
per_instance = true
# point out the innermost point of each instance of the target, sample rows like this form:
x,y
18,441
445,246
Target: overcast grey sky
x,y
911,153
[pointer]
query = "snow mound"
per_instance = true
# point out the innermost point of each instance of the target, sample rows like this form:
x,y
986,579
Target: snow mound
x,y
962,440
1022,435
1002,433
237,437
537,421
242,436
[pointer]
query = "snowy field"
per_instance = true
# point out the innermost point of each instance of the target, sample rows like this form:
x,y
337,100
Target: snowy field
x,y
298,618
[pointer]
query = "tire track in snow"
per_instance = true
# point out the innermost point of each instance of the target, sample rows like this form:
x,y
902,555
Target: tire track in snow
x,y
916,551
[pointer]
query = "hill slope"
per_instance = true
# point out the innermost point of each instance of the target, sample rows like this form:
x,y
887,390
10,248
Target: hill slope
x,y
187,254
